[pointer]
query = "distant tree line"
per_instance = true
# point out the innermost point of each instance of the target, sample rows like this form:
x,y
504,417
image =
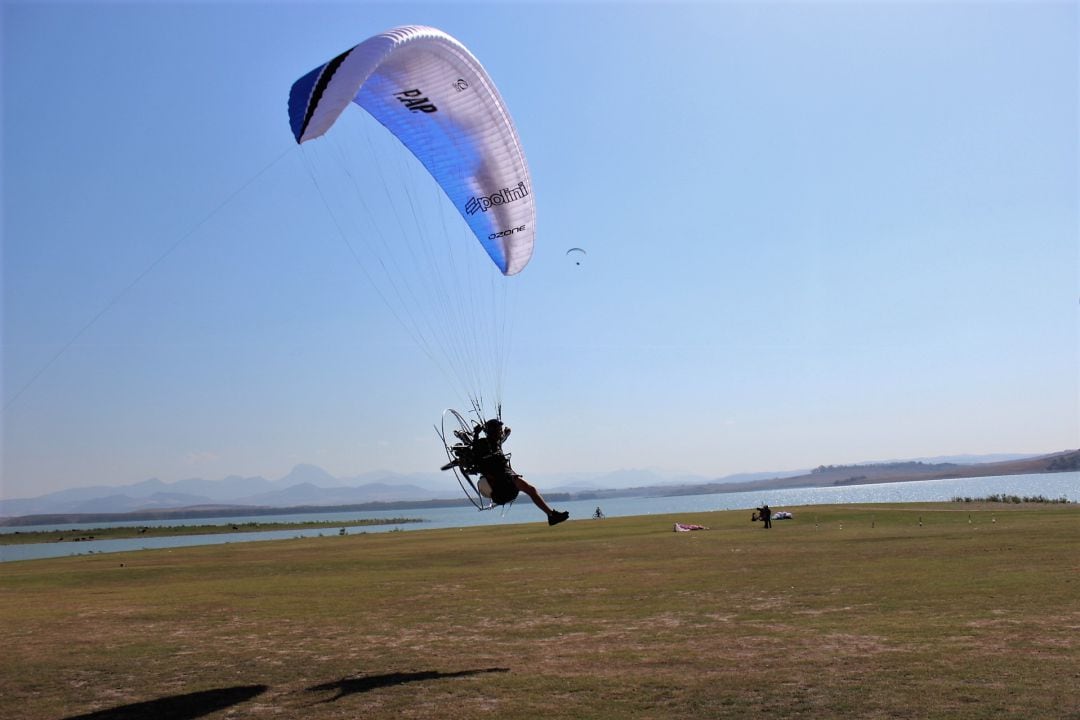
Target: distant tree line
x,y
1016,499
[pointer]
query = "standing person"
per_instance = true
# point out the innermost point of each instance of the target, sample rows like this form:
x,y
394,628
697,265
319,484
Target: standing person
x,y
502,483
766,515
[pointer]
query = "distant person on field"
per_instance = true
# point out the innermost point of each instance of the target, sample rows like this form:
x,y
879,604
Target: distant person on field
x,y
766,515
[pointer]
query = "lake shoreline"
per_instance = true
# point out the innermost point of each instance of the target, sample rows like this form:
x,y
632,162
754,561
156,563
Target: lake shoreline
x,y
1048,485
823,477
90,534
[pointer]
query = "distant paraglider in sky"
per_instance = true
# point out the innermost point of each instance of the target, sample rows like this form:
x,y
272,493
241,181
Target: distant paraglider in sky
x,y
577,255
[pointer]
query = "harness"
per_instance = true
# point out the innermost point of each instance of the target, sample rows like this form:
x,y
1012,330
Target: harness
x,y
495,468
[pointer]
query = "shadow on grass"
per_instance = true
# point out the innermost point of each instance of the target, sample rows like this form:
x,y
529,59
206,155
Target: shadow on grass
x,y
179,707
351,686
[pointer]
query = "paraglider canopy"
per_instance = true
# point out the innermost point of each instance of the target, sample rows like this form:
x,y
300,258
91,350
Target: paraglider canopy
x,y
428,90
391,131
576,254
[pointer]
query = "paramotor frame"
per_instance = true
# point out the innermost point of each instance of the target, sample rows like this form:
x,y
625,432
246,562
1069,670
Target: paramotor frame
x,y
457,435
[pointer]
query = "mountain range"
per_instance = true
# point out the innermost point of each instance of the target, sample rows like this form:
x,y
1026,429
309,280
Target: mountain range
x,y
308,485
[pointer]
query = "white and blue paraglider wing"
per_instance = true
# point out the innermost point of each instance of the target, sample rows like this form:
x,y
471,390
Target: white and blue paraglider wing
x,y
430,92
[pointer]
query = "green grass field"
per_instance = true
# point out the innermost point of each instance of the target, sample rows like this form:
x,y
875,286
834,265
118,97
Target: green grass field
x,y
843,612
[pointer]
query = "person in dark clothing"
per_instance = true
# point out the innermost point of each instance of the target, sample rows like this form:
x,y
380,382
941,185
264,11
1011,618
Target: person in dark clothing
x,y
766,515
498,481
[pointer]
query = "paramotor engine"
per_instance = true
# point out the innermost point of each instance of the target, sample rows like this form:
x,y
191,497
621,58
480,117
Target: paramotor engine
x,y
458,436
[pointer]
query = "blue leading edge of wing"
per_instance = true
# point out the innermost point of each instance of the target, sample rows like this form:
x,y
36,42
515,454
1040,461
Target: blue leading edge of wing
x,y
300,100
305,94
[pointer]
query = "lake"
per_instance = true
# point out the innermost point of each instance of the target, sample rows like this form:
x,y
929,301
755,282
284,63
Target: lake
x,y
1050,485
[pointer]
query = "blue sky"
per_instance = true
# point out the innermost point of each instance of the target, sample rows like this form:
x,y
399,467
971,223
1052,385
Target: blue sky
x,y
816,233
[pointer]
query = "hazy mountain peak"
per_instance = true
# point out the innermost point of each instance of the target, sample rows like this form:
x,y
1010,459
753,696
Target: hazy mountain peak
x,y
305,473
